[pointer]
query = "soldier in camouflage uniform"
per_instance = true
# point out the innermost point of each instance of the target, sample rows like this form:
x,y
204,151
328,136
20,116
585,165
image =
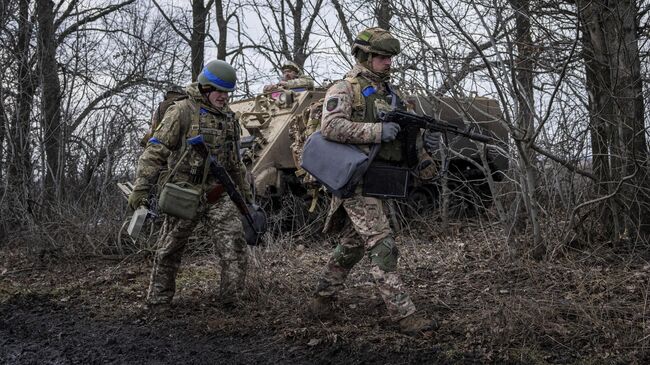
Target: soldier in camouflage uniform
x,y
292,79
167,158
350,116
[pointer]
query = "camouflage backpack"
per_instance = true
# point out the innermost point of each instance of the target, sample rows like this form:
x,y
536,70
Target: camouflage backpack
x,y
300,129
171,96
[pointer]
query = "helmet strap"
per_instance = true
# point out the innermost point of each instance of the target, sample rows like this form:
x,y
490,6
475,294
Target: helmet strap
x,y
205,89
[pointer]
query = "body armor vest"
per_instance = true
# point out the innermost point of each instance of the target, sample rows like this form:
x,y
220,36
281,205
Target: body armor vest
x,y
220,132
367,101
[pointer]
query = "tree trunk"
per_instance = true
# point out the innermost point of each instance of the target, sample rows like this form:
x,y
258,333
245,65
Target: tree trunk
x,y
53,129
19,172
199,14
613,78
222,26
383,14
523,88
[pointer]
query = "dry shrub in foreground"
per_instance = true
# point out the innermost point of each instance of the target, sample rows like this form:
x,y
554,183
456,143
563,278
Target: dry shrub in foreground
x,y
582,305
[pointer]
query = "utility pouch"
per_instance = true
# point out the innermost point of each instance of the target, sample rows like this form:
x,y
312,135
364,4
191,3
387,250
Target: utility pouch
x,y
338,166
385,181
178,201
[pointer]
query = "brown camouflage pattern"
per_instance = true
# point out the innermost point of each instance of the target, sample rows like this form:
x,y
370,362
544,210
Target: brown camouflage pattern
x,y
301,127
370,224
337,123
224,228
367,223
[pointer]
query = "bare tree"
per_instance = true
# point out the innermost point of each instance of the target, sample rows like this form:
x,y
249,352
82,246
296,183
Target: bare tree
x,y
616,112
286,37
19,170
50,98
523,69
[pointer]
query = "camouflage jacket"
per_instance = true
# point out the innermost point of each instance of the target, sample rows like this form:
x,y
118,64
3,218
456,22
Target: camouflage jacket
x,y
300,83
167,157
340,122
350,111
347,118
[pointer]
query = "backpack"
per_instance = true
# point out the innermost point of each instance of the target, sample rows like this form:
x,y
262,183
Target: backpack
x,y
171,96
300,129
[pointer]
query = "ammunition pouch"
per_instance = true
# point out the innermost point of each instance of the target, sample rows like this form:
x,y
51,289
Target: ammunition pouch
x,y
178,201
386,181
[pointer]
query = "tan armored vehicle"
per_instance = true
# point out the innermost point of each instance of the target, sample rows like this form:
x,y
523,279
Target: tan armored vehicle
x,y
267,120
466,177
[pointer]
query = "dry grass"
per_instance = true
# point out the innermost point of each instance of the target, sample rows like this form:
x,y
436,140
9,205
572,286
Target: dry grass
x,y
585,306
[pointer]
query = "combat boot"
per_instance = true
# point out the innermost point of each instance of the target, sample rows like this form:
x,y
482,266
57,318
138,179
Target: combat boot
x,y
322,307
415,324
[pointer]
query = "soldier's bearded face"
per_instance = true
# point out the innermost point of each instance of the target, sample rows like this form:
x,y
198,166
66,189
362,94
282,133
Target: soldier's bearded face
x,y
381,64
218,99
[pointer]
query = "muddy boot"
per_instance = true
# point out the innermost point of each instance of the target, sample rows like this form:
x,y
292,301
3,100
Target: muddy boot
x,y
322,307
415,324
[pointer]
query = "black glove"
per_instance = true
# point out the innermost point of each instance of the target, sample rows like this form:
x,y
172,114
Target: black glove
x,y
432,141
389,131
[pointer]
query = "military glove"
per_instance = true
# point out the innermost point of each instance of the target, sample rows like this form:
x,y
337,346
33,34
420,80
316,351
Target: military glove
x,y
432,141
139,197
389,131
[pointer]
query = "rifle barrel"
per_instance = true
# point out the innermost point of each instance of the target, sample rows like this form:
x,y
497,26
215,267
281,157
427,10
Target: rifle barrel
x,y
433,124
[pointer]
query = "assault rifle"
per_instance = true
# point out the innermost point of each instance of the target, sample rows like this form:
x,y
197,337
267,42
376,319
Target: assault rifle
x,y
254,218
409,122
410,125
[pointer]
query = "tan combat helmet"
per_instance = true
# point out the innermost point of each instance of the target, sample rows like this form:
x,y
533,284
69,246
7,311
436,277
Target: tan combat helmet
x,y
376,41
291,66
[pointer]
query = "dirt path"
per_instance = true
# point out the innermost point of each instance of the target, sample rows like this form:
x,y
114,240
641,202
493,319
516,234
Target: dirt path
x,y
38,330
89,311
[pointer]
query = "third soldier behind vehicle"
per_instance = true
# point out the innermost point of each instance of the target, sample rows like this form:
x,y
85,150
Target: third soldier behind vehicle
x,y
293,78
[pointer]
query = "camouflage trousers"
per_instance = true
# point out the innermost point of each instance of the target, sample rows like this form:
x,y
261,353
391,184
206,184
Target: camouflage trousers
x,y
224,227
368,221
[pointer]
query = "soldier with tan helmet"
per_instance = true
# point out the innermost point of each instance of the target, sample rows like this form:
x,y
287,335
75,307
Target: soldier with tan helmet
x,y
194,194
350,113
292,79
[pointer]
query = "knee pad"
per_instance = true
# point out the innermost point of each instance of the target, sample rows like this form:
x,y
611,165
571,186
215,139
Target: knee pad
x,y
348,256
384,254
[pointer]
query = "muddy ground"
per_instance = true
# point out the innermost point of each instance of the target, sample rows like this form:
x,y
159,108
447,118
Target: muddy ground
x,y
576,307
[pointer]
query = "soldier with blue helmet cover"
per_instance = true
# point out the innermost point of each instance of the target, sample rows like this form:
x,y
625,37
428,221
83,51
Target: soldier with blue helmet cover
x,y
167,159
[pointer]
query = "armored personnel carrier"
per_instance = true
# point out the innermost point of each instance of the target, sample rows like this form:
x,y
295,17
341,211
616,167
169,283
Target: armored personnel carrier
x,y
465,174
266,121
269,121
